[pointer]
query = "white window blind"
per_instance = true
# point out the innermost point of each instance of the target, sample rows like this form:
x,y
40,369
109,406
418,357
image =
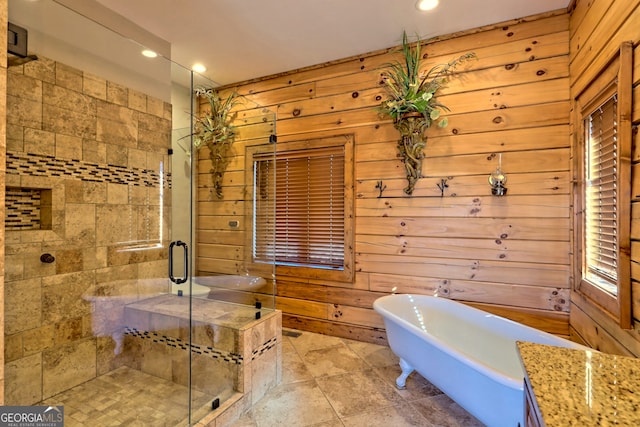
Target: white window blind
x,y
303,223
601,217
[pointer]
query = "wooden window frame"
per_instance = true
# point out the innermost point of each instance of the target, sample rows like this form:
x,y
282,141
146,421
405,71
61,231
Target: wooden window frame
x,y
345,274
614,79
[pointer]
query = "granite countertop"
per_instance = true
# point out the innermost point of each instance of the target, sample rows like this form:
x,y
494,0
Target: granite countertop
x,y
582,387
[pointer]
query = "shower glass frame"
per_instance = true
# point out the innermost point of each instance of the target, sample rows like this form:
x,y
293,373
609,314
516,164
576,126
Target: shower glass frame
x,y
106,302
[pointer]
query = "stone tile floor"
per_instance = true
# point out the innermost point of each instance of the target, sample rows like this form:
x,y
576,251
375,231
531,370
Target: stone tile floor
x,y
126,397
326,382
335,382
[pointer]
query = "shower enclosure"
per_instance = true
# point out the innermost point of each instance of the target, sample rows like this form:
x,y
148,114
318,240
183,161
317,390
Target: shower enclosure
x,y
130,293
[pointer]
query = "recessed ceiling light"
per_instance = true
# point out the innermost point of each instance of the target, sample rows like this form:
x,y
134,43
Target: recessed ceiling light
x,y
425,5
198,68
149,53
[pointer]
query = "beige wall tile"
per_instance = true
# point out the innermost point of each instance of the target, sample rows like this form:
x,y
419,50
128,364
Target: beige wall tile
x,y
90,259
117,256
94,86
138,194
68,99
33,267
39,142
68,147
13,267
168,111
12,237
64,296
23,381
101,257
114,224
69,260
68,366
69,330
138,319
155,106
68,122
23,305
156,358
20,248
215,377
155,196
155,268
120,275
15,137
12,180
148,223
164,325
107,359
117,94
32,181
157,161
153,132
25,87
43,69
117,155
94,151
117,124
38,339
94,192
137,159
24,112
73,191
263,374
68,77
137,100
117,194
80,223
13,347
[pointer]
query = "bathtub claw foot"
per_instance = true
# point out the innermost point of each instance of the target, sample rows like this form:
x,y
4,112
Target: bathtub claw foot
x,y
401,381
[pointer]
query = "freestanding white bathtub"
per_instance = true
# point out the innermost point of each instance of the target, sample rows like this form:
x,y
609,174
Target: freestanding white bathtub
x,y
467,353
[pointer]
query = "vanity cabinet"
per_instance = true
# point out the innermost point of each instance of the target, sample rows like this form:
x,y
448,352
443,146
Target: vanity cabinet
x,y
532,417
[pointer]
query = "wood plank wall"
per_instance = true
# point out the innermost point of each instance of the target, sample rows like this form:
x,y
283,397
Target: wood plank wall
x,y
508,255
597,29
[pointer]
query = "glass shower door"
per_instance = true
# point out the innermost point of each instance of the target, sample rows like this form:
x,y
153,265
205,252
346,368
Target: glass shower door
x,y
93,325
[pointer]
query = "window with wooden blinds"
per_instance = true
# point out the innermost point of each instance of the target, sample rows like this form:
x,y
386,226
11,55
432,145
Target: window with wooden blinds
x,y
601,195
307,213
603,198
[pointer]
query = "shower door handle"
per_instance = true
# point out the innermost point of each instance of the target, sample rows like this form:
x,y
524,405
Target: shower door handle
x,y
178,280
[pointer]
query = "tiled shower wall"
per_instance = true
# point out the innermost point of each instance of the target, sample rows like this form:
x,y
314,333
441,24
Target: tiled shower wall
x,y
99,152
3,140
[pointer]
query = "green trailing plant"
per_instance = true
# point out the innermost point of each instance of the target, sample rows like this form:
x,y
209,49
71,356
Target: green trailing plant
x,y
214,130
413,104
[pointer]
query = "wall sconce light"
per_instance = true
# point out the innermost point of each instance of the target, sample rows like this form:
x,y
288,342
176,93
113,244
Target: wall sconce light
x,y
498,179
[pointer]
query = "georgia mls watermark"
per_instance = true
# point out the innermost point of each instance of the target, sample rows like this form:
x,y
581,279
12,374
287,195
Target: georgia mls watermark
x,y
31,416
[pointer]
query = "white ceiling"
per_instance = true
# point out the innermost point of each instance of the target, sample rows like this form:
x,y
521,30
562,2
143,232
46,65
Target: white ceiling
x,y
240,40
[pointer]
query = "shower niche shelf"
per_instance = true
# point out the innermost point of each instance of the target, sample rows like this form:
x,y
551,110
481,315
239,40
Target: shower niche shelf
x,y
28,209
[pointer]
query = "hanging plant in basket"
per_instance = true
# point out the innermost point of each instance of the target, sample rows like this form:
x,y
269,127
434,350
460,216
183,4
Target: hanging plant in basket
x,y
215,131
412,103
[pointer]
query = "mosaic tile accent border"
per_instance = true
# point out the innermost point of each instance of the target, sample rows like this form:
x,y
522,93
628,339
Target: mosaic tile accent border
x,y
178,343
49,166
22,208
264,347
